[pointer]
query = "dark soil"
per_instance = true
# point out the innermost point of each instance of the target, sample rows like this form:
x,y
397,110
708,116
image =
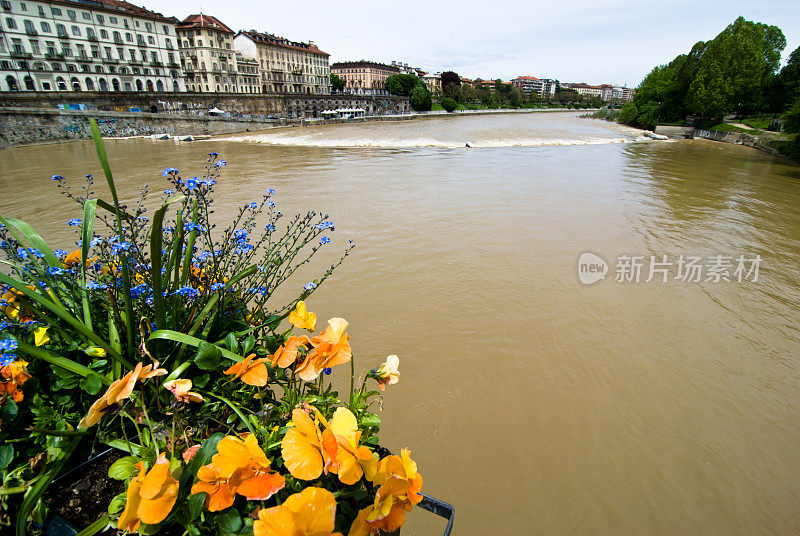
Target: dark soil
x,y
82,496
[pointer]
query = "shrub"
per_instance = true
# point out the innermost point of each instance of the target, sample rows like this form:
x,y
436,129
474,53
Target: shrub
x,y
449,104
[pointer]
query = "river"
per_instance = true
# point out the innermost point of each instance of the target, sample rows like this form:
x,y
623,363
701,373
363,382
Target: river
x,y
533,402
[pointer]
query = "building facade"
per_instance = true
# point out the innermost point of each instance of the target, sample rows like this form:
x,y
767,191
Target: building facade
x,y
87,45
249,79
364,77
544,87
207,55
434,83
286,66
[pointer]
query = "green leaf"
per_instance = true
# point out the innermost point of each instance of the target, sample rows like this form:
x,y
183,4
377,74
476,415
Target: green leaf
x,y
87,231
123,468
196,503
156,241
95,527
249,342
63,314
117,503
63,362
9,411
92,383
207,356
231,342
35,241
177,336
126,277
6,455
370,419
230,520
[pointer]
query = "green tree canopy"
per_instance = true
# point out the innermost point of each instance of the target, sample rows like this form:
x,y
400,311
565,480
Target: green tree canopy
x,y
337,83
401,84
420,98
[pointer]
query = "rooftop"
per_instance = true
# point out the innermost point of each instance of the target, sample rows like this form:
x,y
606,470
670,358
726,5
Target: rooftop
x,y
204,21
364,64
118,7
261,37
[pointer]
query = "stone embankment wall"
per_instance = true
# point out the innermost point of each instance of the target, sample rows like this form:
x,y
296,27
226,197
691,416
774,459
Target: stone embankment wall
x,y
738,138
41,117
26,126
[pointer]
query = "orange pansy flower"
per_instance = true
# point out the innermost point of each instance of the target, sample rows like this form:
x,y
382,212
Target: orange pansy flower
x,y
118,391
238,467
16,371
306,451
251,371
181,389
388,373
150,496
312,512
302,318
286,355
330,349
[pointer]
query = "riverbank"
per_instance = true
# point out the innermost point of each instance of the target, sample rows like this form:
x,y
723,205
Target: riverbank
x,y
766,143
24,126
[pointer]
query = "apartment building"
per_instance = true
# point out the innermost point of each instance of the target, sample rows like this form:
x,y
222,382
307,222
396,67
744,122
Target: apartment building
x,y
87,45
286,66
364,77
249,79
544,87
207,55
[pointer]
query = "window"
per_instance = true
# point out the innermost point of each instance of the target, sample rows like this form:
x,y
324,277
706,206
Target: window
x,y
71,14
55,11
166,29
151,40
136,23
35,47
112,20
11,23
90,33
61,30
41,11
100,19
76,31
107,51
199,43
129,37
45,27
29,29
133,54
197,32
23,7
153,57
148,26
104,34
86,16
117,37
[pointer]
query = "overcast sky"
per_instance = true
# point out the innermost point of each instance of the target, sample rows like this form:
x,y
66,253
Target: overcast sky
x,y
592,41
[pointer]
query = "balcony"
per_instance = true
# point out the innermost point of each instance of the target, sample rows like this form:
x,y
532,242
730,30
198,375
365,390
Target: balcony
x,y
135,62
21,55
141,44
63,35
31,31
173,65
91,37
118,40
156,64
53,56
83,58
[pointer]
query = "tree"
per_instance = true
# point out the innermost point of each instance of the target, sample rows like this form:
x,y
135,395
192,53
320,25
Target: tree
x,y
420,98
451,85
515,97
449,104
337,83
401,84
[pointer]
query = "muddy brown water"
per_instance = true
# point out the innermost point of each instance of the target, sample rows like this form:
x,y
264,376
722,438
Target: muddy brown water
x,y
532,402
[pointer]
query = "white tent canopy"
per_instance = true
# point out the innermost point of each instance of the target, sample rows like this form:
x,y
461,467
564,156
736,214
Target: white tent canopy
x,y
216,111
